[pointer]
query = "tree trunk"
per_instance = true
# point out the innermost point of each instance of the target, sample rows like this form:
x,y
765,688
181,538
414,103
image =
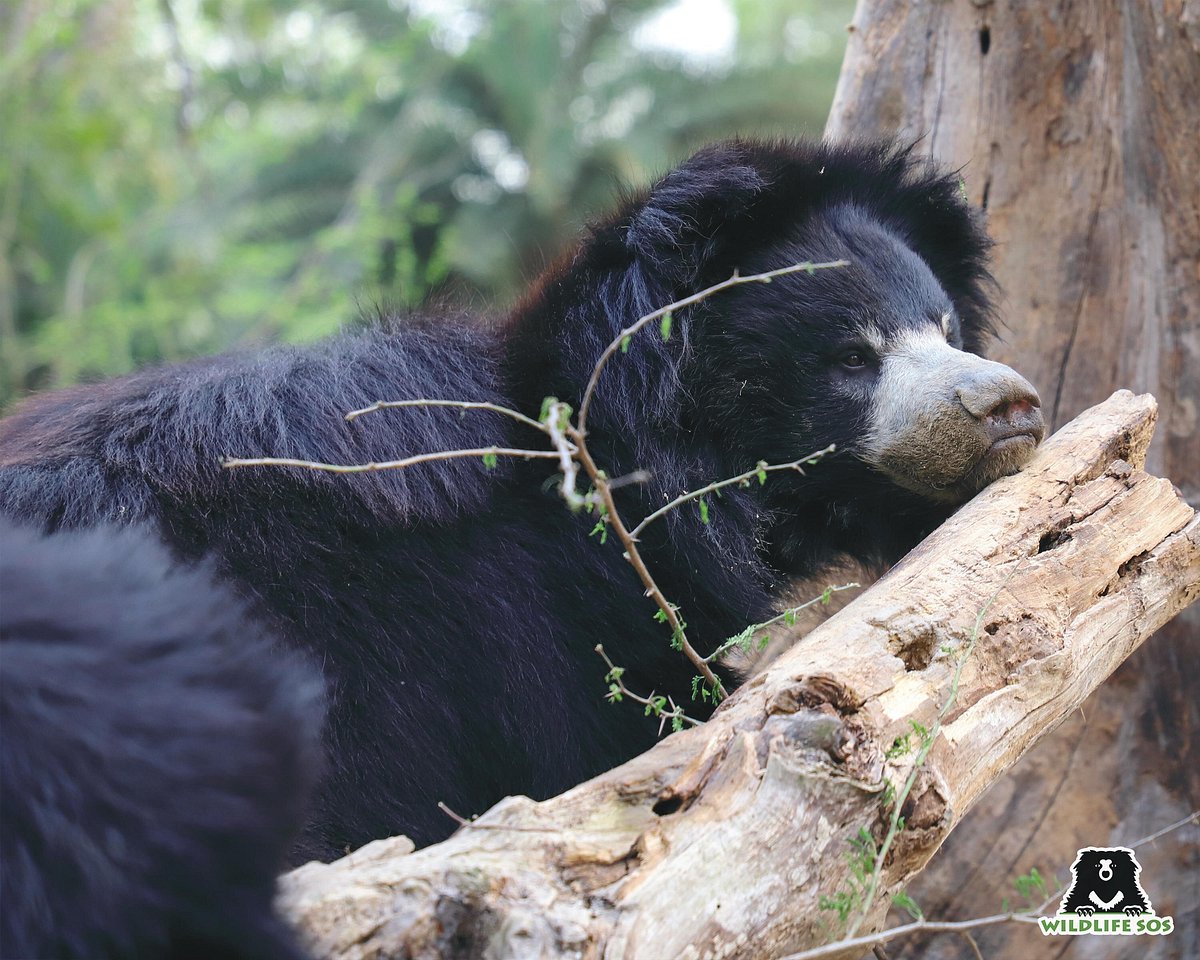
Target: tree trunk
x,y
1075,125
730,839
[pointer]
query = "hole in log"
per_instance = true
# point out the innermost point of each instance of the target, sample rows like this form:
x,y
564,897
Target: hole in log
x,y
667,806
985,39
917,654
987,189
1052,540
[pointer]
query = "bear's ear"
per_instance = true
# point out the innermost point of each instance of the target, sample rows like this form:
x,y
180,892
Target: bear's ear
x,y
692,214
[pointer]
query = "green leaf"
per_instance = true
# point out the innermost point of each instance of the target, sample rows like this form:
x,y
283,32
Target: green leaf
x,y
899,747
907,904
625,341
490,460
703,504
1031,884
664,325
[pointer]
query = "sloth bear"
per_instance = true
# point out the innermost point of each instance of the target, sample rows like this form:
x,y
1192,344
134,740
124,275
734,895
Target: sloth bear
x,y
156,755
453,608
1105,880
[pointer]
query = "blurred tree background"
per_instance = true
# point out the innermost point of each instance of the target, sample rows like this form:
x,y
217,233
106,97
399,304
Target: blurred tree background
x,y
179,177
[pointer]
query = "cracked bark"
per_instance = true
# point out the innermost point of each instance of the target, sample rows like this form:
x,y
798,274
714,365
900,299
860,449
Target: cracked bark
x,y
1074,125
721,840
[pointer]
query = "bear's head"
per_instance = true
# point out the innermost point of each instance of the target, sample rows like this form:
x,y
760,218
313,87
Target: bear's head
x,y
880,357
875,357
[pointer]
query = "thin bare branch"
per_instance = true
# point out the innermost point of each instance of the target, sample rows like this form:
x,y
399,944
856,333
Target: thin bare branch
x,y
823,597
657,705
1193,817
613,517
734,281
758,470
231,462
629,479
462,404
558,419
917,926
474,825
974,947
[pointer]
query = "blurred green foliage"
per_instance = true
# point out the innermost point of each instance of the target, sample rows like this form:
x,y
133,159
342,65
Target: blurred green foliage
x,y
182,176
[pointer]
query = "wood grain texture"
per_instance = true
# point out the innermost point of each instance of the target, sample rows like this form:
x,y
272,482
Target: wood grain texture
x,y
1074,125
721,840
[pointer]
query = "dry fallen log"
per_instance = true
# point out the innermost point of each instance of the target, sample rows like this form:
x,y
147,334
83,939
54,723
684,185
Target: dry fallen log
x,y
721,840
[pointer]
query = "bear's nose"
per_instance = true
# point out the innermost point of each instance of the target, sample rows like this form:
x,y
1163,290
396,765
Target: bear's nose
x,y
1005,404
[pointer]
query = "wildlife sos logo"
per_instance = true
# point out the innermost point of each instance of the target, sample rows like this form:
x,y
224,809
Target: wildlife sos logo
x,y
1105,898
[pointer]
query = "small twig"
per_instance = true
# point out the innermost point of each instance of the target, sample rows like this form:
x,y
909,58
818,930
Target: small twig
x,y
558,418
917,926
462,404
629,479
655,704
464,822
1192,817
789,613
678,637
971,943
736,280
759,470
388,464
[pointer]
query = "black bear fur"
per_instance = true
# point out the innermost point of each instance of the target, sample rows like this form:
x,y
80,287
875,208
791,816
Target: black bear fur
x,y
454,609
156,758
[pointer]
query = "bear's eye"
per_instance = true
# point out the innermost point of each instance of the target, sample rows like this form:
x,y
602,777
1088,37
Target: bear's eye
x,y
854,359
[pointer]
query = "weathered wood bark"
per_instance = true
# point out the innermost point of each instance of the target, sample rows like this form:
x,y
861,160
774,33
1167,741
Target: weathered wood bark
x,y
721,840
1075,125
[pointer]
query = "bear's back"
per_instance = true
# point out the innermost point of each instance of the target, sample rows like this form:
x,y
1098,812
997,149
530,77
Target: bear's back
x,y
130,449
